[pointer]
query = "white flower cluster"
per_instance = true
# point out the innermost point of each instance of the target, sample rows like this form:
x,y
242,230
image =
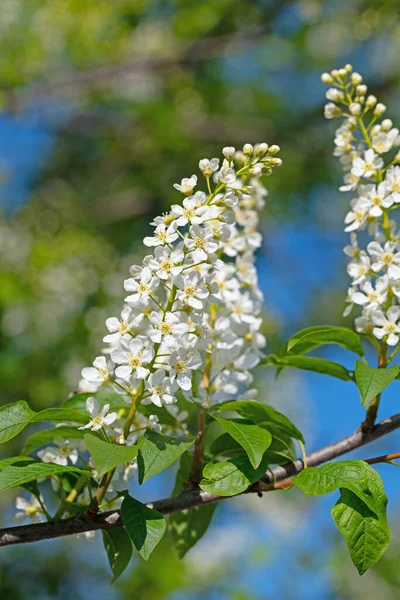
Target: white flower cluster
x,y
367,147
191,320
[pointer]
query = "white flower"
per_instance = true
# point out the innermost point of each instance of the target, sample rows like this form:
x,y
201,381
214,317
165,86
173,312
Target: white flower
x,y
154,423
160,388
166,263
359,269
189,212
133,359
163,234
99,373
226,175
386,257
331,111
374,198
168,329
119,328
387,325
187,185
59,454
357,217
392,182
208,167
182,366
100,418
28,510
352,249
370,297
142,288
202,241
228,152
383,142
367,166
351,182
192,289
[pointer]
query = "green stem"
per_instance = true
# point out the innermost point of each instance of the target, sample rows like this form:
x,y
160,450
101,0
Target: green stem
x,y
80,483
372,410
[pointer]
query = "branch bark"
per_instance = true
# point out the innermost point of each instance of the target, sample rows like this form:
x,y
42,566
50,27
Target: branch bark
x,y
192,498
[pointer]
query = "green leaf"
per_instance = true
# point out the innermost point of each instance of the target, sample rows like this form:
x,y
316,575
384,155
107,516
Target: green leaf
x,y
372,381
254,439
107,456
15,417
60,415
225,445
360,513
157,452
257,412
144,525
367,535
354,475
105,396
118,546
312,337
188,526
47,436
18,474
231,477
309,363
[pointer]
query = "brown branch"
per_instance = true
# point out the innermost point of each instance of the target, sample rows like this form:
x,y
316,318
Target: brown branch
x,y
200,51
192,498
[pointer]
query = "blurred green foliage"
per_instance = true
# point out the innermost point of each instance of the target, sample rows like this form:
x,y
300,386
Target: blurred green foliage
x,y
133,94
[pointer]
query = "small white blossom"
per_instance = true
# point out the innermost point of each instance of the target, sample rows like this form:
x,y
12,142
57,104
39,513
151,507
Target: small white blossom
x,y
143,288
132,359
187,185
387,325
60,454
99,373
100,417
160,388
367,166
27,510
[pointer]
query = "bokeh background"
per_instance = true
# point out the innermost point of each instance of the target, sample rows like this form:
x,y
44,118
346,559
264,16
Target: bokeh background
x,y
104,105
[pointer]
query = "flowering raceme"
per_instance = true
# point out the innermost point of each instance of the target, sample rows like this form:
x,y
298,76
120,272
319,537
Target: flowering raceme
x,y
193,306
191,320
367,146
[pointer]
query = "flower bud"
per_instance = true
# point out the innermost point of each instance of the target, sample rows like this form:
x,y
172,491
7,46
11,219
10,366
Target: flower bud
x,y
356,78
228,152
261,149
379,109
342,73
397,157
371,101
387,124
275,162
361,90
327,78
331,111
334,95
248,149
348,67
375,130
274,149
355,108
256,170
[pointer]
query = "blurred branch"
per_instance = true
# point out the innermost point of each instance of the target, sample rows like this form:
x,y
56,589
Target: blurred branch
x,y
192,498
200,51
